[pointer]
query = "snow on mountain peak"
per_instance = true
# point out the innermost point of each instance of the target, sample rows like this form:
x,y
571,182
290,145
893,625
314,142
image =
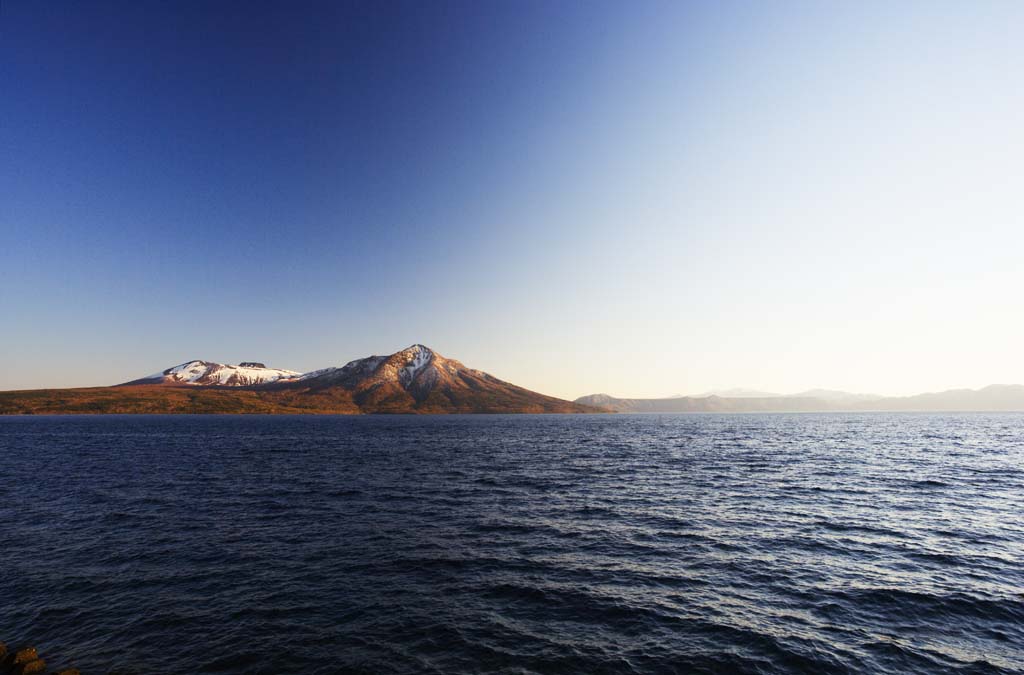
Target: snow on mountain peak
x,y
418,357
209,373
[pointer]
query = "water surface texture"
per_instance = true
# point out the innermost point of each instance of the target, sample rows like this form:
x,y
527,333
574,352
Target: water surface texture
x,y
810,543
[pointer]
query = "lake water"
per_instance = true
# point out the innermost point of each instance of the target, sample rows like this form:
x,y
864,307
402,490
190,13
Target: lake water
x,y
810,543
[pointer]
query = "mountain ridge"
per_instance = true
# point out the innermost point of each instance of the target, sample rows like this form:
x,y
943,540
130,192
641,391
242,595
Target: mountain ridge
x,y
210,373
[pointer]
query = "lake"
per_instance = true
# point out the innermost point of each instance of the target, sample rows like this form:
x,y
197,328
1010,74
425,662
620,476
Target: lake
x,y
758,543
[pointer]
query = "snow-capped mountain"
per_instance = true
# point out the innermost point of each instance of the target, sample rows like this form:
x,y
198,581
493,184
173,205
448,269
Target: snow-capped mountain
x,y
415,379
245,374
416,369
418,378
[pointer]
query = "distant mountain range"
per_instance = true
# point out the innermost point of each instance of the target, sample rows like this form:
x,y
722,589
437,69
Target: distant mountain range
x,y
414,380
995,397
824,394
738,392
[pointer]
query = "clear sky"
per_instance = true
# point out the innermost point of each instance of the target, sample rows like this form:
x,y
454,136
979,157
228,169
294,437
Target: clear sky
x,y
637,198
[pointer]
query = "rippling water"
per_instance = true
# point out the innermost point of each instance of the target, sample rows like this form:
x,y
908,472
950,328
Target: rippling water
x,y
866,543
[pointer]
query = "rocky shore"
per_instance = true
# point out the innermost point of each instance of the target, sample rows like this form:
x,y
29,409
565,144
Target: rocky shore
x,y
26,661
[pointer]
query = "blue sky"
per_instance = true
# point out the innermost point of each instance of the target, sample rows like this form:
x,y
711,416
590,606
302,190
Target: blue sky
x,y
636,198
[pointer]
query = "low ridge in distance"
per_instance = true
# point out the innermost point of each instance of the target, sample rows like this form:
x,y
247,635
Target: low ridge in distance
x,y
993,398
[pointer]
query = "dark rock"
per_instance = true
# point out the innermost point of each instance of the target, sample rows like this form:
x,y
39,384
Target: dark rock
x,y
30,667
251,364
23,656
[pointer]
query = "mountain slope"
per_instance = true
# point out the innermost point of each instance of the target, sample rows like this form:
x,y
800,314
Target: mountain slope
x,y
159,400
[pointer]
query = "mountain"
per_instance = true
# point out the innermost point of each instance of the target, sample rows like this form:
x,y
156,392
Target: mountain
x,y
999,397
245,374
418,379
835,395
414,380
736,393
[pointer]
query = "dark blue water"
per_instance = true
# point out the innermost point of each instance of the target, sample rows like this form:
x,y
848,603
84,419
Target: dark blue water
x,y
862,543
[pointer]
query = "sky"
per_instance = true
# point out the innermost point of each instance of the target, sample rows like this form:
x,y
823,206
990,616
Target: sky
x,y
640,199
